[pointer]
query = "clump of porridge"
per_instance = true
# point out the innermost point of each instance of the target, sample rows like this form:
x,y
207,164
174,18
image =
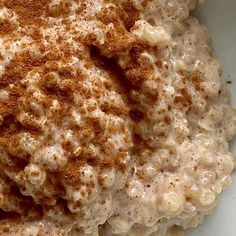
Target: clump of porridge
x,y
114,119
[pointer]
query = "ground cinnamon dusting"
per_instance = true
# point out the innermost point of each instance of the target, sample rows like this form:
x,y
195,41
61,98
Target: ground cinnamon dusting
x,y
132,13
29,12
6,27
72,172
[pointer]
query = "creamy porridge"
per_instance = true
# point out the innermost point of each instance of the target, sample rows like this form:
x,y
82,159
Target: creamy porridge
x,y
114,119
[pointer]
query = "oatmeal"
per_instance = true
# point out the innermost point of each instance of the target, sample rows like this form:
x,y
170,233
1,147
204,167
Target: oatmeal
x,y
114,119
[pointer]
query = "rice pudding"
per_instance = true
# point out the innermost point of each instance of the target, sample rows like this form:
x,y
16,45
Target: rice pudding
x,y
114,118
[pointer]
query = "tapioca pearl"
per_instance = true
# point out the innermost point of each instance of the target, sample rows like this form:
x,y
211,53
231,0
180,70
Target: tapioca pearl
x,y
149,171
227,164
84,193
211,88
217,188
55,105
120,180
193,192
52,157
171,202
114,143
135,189
181,133
4,95
216,113
119,224
156,35
207,197
226,182
34,174
143,215
87,173
208,160
74,207
160,157
189,210
207,178
108,177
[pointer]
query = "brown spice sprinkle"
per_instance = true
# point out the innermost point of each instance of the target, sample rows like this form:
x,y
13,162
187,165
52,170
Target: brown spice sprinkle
x,y
184,99
6,27
131,13
138,69
59,81
195,78
29,12
72,172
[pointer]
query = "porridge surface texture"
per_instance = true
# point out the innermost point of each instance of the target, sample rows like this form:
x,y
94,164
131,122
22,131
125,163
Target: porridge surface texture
x,y
114,119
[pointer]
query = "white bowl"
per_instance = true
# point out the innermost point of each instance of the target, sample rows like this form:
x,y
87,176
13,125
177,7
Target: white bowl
x,y
220,18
